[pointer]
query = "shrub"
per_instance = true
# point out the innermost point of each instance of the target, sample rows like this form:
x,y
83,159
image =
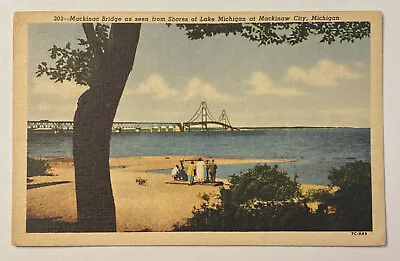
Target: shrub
x,y
353,200
325,196
266,216
205,197
37,167
266,199
260,199
263,183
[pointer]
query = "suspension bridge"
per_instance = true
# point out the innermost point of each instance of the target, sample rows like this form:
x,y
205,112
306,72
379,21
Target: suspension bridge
x,y
202,120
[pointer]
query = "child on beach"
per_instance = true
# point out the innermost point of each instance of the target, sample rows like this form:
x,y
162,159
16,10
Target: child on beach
x,y
191,170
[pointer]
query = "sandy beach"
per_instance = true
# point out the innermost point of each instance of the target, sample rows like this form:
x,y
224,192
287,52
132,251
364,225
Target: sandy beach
x,y
157,206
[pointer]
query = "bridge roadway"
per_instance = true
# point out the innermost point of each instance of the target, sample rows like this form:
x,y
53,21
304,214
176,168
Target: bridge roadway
x,y
117,126
126,126
195,123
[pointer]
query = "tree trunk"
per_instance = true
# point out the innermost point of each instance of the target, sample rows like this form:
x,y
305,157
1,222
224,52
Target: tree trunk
x,y
93,121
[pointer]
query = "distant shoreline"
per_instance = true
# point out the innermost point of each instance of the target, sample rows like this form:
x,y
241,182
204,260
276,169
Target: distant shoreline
x,y
299,127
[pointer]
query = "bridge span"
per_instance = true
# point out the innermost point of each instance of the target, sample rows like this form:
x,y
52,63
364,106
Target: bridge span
x,y
59,126
202,120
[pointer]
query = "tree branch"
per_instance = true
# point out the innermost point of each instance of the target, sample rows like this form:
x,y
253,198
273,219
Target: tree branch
x,y
89,32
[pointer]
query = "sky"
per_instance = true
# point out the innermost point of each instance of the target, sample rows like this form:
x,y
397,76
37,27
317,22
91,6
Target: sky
x,y
309,84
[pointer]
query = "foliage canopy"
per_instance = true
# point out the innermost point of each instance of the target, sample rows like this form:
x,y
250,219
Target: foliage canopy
x,y
280,33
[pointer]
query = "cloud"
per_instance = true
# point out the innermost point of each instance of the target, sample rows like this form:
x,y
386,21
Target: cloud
x,y
42,111
198,90
46,87
262,84
349,112
325,73
53,101
157,87
360,64
349,116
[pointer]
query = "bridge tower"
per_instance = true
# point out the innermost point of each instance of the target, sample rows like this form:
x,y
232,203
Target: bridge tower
x,y
224,119
204,116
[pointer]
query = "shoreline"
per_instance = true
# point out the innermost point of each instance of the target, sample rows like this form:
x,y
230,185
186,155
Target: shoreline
x,y
151,163
156,206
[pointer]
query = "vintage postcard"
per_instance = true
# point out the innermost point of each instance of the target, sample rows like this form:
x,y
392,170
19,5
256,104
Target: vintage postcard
x,y
252,128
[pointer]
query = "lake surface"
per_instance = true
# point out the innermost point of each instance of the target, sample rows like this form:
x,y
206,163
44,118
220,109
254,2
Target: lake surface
x,y
316,150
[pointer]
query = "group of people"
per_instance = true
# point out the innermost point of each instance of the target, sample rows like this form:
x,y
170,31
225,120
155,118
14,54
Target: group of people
x,y
204,171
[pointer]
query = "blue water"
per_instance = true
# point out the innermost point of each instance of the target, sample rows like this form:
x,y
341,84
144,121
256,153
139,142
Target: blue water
x,y
316,150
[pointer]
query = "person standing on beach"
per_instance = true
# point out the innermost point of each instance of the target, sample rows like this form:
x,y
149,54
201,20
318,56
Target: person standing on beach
x,y
191,170
200,166
207,170
212,167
